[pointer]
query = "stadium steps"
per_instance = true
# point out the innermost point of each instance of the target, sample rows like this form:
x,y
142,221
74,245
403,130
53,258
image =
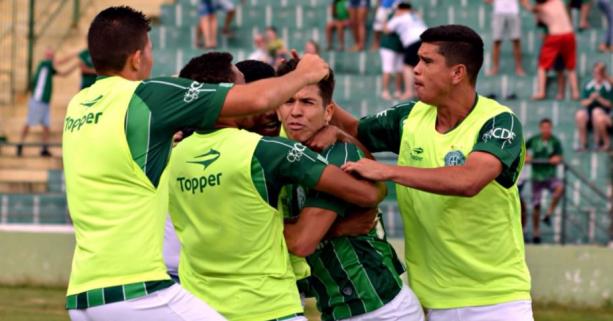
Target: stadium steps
x,y
33,209
23,181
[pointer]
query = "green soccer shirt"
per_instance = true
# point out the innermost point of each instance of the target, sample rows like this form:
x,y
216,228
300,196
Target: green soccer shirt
x,y
350,276
42,83
116,141
224,186
459,251
541,149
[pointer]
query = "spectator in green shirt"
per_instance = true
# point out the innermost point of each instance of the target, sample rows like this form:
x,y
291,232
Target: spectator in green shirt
x,y
596,112
544,152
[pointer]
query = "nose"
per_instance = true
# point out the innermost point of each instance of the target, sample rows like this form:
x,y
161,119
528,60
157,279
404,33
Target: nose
x,y
417,68
296,109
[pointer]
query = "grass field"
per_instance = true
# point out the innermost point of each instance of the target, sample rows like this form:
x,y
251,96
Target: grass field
x,y
47,304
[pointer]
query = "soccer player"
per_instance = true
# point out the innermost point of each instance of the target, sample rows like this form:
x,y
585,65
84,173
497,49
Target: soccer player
x,y
116,143
544,151
353,278
224,187
459,156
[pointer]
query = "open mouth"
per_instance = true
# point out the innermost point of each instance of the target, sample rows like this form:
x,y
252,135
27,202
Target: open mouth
x,y
294,126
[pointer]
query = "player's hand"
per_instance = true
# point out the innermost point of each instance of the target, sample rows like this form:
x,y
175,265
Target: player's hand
x,y
368,169
325,137
312,68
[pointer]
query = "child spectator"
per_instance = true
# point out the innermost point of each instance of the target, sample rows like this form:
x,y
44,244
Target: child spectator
x,y
340,21
596,102
384,9
506,23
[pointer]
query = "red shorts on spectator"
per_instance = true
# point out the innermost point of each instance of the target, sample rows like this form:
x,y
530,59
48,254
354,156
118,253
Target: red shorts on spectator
x,y
564,45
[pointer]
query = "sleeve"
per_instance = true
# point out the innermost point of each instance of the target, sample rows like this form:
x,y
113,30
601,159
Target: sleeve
x,y
382,132
392,24
177,103
502,137
288,162
338,155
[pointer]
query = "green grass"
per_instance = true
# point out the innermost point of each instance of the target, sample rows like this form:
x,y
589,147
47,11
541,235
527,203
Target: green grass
x,y
47,304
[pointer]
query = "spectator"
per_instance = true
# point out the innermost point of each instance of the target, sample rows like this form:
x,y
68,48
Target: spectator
x,y
38,106
88,72
584,7
607,10
261,50
391,52
208,22
506,22
384,9
340,21
208,19
311,47
596,100
409,26
544,152
276,46
358,12
560,39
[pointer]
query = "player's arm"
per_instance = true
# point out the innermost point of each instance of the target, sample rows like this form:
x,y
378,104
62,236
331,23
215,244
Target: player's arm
x,y
267,94
85,69
303,236
358,222
493,153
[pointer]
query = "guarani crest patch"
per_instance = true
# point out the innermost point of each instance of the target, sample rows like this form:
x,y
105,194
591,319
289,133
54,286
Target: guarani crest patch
x,y
454,158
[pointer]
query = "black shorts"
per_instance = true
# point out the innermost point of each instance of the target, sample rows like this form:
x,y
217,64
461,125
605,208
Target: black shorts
x,y
410,54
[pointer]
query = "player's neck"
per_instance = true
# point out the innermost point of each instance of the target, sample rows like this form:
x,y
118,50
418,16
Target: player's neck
x,y
454,108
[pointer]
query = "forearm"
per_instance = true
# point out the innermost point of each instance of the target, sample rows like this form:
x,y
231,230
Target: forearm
x,y
355,191
451,180
358,223
604,102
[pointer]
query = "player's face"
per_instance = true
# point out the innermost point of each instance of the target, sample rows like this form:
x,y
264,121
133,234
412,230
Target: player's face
x,y
432,75
304,114
146,60
267,124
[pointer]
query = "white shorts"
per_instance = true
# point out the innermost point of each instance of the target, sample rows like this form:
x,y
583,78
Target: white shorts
x,y
509,311
404,307
380,18
171,304
506,25
38,113
391,61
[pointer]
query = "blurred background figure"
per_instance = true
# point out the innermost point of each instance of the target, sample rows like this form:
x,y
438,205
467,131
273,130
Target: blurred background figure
x,y
311,47
596,110
340,21
606,8
358,13
392,54
384,10
584,7
261,49
208,20
88,72
506,22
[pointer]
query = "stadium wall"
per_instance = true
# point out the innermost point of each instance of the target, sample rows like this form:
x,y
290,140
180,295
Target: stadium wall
x,y
569,275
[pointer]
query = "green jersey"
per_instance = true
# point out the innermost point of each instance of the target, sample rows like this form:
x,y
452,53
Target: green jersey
x,y
42,84
223,205
541,149
116,143
604,89
350,276
459,251
87,79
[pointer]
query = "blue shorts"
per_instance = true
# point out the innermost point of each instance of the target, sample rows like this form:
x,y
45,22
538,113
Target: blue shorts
x,y
209,7
359,3
38,113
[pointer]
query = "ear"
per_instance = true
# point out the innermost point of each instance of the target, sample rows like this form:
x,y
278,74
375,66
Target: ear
x,y
458,74
328,112
134,60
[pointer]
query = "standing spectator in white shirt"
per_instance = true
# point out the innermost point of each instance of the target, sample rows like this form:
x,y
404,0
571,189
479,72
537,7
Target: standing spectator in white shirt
x,y
409,26
506,23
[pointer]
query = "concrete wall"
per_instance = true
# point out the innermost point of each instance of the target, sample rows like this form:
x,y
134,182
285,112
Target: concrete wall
x,y
577,275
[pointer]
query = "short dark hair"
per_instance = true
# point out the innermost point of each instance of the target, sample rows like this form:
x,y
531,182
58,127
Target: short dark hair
x,y
545,121
326,85
405,5
459,45
114,34
212,67
255,70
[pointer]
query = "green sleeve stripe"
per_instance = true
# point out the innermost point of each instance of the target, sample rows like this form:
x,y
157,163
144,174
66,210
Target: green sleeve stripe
x,y
259,179
138,131
173,85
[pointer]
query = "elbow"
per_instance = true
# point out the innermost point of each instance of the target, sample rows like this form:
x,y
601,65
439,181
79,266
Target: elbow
x,y
470,190
370,198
